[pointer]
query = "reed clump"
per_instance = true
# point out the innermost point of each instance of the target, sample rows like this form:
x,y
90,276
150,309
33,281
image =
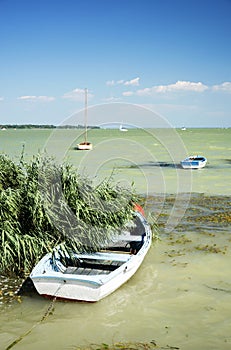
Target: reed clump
x,y
44,204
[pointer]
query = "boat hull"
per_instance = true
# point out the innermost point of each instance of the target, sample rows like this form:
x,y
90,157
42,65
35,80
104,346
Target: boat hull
x,y
83,290
194,162
84,146
92,285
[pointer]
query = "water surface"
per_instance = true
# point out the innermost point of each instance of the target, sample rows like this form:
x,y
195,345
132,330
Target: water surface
x,y
181,295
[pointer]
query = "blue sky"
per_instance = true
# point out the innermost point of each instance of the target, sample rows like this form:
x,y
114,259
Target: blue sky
x,y
170,56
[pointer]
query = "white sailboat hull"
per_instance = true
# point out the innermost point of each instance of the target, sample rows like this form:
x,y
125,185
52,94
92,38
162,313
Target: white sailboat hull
x,y
84,146
123,129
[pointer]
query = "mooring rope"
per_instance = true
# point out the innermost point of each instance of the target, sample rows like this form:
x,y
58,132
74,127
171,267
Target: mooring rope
x,y
46,314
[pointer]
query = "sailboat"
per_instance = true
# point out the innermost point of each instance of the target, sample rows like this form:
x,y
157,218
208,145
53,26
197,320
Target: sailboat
x,y
85,145
122,128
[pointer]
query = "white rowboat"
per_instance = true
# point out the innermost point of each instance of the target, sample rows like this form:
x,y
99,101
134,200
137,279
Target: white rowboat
x,y
194,162
91,277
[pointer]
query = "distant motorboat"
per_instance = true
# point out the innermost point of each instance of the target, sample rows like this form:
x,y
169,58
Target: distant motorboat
x,y
85,145
122,128
194,162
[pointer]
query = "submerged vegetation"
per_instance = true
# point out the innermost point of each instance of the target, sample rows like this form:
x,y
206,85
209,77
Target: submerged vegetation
x,y
128,346
44,204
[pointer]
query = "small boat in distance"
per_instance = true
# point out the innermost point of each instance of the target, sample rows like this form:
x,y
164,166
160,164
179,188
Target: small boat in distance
x,y
122,128
194,162
92,276
85,145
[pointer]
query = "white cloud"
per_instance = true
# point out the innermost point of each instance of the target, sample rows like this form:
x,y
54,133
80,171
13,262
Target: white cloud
x,y
144,92
132,82
110,82
36,98
113,82
178,86
77,95
187,86
226,86
128,93
111,99
1,98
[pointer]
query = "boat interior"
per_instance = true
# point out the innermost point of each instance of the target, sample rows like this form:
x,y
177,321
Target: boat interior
x,y
197,158
93,267
107,259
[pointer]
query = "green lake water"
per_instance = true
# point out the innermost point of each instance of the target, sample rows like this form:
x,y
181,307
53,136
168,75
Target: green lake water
x,y
181,295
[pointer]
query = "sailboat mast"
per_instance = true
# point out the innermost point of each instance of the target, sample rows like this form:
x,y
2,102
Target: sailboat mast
x,y
85,116
85,145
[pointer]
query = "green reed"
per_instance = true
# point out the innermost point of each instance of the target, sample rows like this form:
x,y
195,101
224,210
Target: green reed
x,y
43,204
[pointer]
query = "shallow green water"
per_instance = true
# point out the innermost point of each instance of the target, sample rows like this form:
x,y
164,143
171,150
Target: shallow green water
x,y
181,295
150,157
